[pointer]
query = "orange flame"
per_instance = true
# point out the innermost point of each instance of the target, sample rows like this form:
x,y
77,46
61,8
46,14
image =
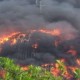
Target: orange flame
x,y
72,51
55,32
13,41
7,37
35,45
78,61
25,68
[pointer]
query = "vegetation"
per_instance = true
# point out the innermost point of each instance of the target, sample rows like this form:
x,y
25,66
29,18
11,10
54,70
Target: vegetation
x,y
11,71
77,73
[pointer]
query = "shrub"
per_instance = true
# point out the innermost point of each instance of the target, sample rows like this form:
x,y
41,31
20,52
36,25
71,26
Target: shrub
x,y
77,73
14,72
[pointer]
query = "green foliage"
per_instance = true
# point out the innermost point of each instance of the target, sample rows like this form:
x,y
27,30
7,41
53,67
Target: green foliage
x,y
41,74
77,73
14,72
11,69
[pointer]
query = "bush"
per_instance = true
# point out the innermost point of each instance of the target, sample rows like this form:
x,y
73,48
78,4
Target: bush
x,y
11,71
77,73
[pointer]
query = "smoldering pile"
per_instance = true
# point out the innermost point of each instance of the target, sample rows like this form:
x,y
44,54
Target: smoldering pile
x,y
39,48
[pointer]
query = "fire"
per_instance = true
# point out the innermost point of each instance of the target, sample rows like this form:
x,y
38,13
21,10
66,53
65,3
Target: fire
x,y
45,65
5,38
72,68
78,61
55,32
13,41
54,67
58,69
55,71
35,46
24,68
72,51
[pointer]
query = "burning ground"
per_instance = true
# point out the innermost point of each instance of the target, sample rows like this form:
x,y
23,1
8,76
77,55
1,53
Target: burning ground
x,y
42,48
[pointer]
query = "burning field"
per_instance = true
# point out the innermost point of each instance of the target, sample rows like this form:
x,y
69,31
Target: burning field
x,y
41,32
42,47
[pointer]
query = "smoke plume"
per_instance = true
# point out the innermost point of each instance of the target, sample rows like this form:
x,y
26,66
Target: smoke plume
x,y
25,14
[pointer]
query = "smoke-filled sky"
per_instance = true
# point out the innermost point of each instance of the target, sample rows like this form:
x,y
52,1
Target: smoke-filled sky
x,y
25,14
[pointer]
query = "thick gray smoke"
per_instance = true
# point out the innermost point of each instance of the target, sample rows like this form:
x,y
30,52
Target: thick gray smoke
x,y
22,15
26,14
65,10
19,14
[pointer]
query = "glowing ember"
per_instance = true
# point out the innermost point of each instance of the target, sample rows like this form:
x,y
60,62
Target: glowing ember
x,y
25,68
35,45
2,73
55,71
73,52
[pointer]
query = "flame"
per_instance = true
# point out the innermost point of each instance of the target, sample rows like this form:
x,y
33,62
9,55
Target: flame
x,y
5,38
72,68
13,42
56,71
72,51
55,67
35,46
24,68
78,61
55,32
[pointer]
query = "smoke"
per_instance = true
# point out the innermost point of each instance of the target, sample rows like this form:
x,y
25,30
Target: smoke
x,y
24,14
20,15
62,11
